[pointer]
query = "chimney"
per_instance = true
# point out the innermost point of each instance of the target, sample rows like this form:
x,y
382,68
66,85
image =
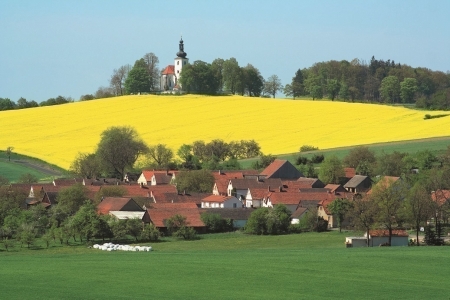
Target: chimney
x,y
280,188
268,188
184,192
167,172
220,172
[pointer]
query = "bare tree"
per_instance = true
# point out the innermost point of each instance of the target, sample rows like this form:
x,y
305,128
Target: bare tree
x,y
118,78
9,152
151,60
273,85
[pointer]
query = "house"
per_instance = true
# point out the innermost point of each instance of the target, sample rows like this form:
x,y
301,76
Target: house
x,y
217,201
283,169
158,216
380,236
385,182
358,184
221,179
126,215
239,216
282,197
156,177
117,204
298,214
255,196
335,188
239,187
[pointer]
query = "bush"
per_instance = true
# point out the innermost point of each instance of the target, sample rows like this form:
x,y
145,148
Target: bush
x,y
317,158
150,233
301,160
215,223
269,220
306,148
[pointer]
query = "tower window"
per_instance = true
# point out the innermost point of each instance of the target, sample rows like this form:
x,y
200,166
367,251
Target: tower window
x,y
178,62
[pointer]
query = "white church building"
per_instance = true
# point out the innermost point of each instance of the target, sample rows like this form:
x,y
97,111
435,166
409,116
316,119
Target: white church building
x,y
171,74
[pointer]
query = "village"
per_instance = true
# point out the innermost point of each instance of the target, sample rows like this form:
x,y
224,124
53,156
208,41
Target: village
x,y
153,198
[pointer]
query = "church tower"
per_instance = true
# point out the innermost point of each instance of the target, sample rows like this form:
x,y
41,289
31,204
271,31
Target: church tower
x,y
180,61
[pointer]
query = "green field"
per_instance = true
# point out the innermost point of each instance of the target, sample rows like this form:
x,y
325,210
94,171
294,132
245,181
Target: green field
x,y
230,266
436,145
20,164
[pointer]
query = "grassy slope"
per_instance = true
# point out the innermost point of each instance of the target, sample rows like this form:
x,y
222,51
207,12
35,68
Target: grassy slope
x,y
436,145
231,266
21,164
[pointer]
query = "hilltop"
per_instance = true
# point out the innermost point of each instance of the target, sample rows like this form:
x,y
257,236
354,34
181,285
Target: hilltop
x,y
57,133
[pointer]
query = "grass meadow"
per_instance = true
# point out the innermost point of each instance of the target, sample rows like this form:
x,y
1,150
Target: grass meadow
x,y
435,145
230,266
57,133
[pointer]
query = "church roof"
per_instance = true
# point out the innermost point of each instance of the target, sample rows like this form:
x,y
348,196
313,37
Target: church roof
x,y
170,69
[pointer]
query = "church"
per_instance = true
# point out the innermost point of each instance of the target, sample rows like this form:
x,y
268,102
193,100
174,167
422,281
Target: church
x,y
171,74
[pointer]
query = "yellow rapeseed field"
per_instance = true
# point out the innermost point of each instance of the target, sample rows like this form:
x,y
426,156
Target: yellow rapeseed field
x,y
57,133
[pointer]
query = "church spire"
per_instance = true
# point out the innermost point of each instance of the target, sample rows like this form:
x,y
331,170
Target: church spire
x,y
181,53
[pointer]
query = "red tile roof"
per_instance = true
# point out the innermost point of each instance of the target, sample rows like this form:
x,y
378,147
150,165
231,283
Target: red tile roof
x,y
350,172
170,69
216,198
171,205
273,167
383,232
159,215
113,204
440,196
286,198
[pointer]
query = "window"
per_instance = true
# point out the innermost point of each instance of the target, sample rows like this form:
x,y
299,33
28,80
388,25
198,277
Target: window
x,y
234,205
178,62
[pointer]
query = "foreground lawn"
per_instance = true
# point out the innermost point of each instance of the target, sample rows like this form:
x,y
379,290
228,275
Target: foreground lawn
x,y
230,266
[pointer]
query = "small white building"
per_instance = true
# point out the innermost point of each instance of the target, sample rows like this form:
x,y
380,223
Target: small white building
x,y
379,237
217,201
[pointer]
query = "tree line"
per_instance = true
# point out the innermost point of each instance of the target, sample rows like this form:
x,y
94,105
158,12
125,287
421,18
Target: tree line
x,y
377,81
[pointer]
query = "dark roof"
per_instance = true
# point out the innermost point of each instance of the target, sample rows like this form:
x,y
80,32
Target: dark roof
x,y
243,184
300,211
281,169
355,181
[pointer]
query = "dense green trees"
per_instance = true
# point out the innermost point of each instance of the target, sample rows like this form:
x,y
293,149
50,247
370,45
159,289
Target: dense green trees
x,y
331,170
119,148
377,80
199,77
201,181
138,79
269,220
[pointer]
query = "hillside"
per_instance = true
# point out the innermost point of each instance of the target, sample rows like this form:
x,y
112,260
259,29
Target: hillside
x,y
57,133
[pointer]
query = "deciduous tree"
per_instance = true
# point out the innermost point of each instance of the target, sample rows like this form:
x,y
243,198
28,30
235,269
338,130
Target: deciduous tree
x,y
331,170
201,181
119,148
339,208
272,85
138,79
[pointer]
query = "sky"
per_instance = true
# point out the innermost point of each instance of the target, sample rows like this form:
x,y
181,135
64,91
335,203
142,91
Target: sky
x,y
71,47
